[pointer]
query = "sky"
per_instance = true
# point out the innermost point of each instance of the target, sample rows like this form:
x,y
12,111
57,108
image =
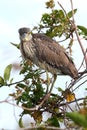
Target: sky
x,y
20,13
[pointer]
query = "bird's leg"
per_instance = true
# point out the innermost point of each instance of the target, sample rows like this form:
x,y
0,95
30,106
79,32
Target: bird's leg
x,y
48,82
55,76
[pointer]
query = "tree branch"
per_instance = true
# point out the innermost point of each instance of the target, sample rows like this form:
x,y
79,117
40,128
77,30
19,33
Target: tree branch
x,y
77,35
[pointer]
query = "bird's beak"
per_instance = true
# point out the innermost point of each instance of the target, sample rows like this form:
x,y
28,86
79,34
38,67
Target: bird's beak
x,y
24,37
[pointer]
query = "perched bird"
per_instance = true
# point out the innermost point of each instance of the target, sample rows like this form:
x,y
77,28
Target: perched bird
x,y
46,53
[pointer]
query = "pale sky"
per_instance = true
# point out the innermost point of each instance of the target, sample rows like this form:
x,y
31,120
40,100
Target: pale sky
x,y
13,15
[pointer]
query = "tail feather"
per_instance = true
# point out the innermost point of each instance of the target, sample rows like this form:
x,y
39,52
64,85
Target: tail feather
x,y
73,71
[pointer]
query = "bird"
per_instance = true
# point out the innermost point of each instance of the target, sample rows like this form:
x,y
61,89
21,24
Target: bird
x,y
46,53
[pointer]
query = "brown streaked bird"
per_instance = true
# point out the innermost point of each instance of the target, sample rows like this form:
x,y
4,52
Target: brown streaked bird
x,y
46,53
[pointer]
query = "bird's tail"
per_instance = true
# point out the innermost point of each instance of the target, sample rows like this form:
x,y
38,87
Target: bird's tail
x,y
73,71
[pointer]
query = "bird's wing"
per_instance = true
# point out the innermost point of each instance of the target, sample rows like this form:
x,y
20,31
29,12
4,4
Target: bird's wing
x,y
51,52
54,55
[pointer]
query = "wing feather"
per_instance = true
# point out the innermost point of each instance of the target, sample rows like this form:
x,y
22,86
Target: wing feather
x,y
50,52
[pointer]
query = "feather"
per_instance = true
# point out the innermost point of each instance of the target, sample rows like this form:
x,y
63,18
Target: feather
x,y
47,54
49,51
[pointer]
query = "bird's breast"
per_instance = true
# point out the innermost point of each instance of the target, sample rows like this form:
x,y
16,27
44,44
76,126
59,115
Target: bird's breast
x,y
28,50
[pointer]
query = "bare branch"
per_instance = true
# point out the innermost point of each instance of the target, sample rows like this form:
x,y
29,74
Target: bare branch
x,y
76,32
62,8
76,100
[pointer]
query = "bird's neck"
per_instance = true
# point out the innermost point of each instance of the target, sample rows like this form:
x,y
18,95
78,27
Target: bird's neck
x,y
30,37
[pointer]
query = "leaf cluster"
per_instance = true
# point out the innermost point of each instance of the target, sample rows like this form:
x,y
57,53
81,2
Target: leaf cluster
x,y
57,23
31,88
31,92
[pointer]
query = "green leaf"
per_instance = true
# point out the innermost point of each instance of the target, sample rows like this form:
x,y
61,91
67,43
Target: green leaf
x,y
21,123
16,45
53,122
78,118
60,15
60,89
83,29
21,85
7,72
11,80
69,14
1,81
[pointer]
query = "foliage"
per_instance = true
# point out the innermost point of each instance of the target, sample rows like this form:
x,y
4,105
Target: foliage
x,y
30,92
78,118
57,23
83,31
6,76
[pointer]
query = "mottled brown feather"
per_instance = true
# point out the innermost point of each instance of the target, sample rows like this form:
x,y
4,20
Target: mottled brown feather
x,y
52,53
47,54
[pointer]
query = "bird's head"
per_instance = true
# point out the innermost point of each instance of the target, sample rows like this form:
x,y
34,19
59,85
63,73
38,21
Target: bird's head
x,y
25,34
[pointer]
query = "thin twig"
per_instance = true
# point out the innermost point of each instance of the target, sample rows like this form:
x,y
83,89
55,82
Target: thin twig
x,y
25,108
80,85
76,81
15,82
76,32
81,65
62,8
82,61
37,106
77,104
62,104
